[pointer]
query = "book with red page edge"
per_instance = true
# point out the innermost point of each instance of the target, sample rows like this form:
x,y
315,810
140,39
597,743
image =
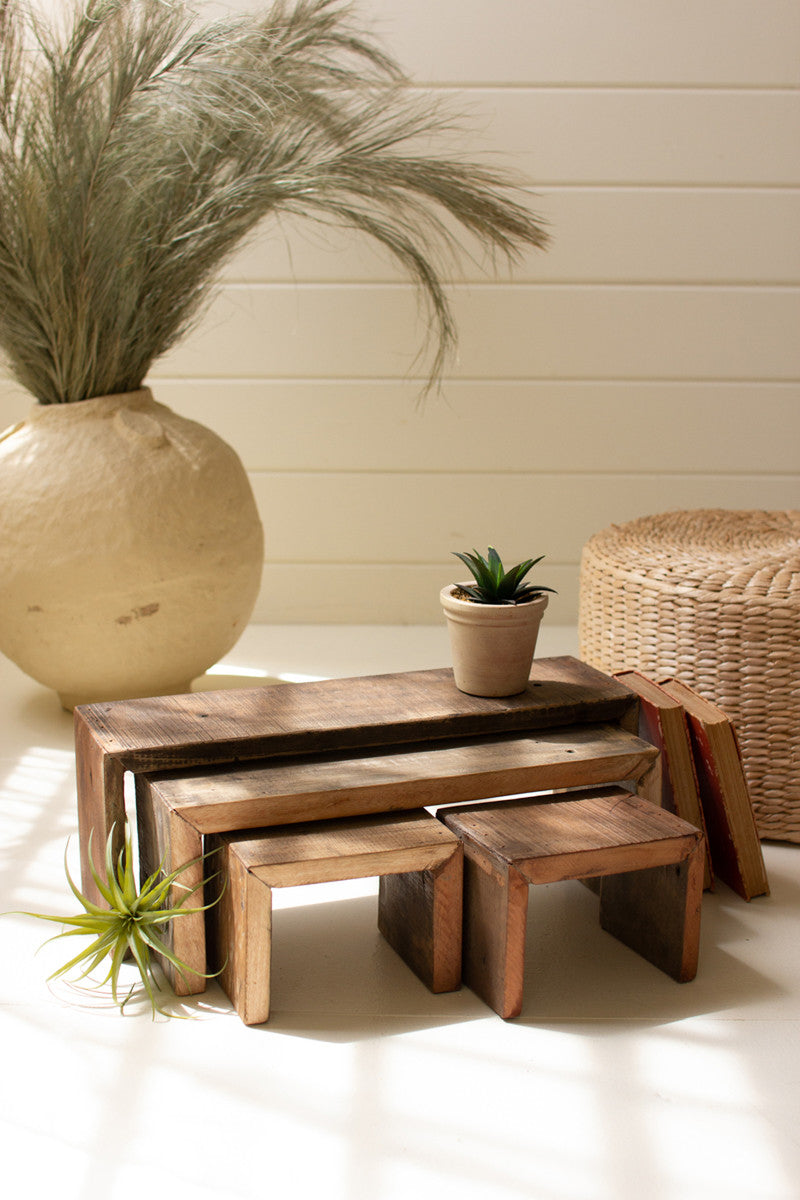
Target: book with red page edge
x,y
663,723
733,836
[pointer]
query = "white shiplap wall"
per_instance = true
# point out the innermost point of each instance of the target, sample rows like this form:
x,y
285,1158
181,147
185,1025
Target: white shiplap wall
x,y
650,360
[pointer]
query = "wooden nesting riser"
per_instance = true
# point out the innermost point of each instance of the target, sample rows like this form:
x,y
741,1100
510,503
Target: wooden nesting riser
x,y
419,912
650,890
652,910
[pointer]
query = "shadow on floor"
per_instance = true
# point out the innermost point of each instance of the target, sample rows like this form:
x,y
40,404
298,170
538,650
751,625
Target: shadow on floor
x,y
335,979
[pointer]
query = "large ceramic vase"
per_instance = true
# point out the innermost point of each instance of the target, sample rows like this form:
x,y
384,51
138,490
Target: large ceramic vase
x,y
130,548
492,645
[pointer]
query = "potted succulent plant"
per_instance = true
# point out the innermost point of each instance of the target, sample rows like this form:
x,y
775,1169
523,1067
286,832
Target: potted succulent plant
x,y
493,624
138,149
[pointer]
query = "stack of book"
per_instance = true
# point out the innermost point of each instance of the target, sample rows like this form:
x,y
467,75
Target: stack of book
x,y
704,781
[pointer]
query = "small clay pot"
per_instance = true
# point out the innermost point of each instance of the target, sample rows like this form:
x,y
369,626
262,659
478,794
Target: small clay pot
x,y
492,645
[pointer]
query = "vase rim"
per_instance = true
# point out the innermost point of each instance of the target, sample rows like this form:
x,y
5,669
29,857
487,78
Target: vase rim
x,y
139,398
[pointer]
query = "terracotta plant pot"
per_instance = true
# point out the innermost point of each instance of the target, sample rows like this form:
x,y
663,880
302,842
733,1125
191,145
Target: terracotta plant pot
x,y
492,645
130,548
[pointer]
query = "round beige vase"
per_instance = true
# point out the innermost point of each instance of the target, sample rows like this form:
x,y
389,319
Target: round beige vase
x,y
130,548
492,645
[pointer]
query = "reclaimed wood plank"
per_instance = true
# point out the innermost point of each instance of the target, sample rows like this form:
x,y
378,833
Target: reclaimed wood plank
x,y
241,924
495,921
656,912
420,915
289,790
593,833
319,852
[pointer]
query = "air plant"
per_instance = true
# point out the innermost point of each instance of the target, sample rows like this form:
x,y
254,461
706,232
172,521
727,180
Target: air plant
x,y
494,584
139,148
129,926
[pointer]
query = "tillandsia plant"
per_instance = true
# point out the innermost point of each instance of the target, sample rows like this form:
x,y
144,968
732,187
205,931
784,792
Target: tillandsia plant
x,y
140,147
130,924
493,584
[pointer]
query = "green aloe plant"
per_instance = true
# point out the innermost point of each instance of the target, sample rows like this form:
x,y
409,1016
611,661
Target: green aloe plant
x,y
496,585
129,926
139,148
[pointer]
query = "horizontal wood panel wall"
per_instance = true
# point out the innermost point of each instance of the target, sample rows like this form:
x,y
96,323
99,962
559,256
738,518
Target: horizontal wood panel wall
x,y
650,360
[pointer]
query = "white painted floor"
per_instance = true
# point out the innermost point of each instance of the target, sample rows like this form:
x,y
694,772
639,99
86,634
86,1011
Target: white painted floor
x,y
614,1083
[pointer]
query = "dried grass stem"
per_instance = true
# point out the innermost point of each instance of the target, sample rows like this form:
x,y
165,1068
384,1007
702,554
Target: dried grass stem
x,y
140,148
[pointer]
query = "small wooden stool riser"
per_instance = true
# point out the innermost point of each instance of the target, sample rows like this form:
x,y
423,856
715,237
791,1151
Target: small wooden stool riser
x,y
651,880
419,905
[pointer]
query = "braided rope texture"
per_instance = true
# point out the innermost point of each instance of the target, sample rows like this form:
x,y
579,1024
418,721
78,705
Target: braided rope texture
x,y
711,596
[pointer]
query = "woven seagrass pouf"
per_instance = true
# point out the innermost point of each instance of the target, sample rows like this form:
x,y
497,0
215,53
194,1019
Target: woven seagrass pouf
x,y
711,596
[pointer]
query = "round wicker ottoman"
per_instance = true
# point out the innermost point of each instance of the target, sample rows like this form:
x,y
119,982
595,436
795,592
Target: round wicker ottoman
x,y
713,598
